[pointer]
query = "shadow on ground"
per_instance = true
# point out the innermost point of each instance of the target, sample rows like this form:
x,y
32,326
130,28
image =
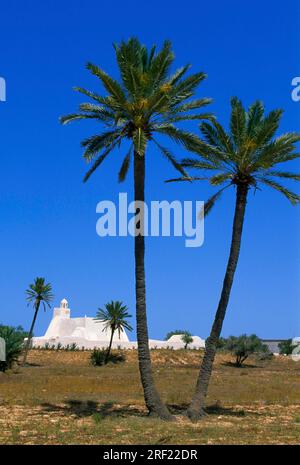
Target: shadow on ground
x,y
88,408
214,409
241,367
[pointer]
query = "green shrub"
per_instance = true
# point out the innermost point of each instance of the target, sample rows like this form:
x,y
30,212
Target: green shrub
x,y
221,343
175,333
98,357
186,339
243,346
98,417
286,347
14,341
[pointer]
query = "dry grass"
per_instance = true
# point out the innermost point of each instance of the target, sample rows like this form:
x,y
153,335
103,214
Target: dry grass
x,y
61,399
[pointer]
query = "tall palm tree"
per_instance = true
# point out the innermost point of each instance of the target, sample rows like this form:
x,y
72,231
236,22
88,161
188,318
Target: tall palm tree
x,y
38,293
244,158
114,316
147,100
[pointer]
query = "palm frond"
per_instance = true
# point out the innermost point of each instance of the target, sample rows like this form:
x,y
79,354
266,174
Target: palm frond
x,y
178,75
76,116
187,139
125,165
94,144
291,196
237,121
100,159
193,105
201,116
185,88
283,174
188,178
254,116
161,64
220,178
267,129
98,98
210,203
39,291
111,85
198,164
171,158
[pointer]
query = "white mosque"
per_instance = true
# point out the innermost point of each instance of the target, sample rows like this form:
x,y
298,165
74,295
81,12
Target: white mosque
x,y
90,333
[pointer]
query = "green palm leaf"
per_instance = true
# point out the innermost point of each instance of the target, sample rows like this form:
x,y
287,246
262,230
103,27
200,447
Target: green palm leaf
x,y
291,196
125,165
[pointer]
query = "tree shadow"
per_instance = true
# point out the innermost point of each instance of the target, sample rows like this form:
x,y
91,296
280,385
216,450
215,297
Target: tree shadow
x,y
82,409
30,364
213,409
234,365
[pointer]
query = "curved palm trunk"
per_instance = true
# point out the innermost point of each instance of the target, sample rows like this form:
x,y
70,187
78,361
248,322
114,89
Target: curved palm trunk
x,y
196,409
30,334
109,347
152,399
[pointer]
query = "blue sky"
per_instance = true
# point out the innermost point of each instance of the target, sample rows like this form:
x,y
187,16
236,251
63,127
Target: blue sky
x,y
48,215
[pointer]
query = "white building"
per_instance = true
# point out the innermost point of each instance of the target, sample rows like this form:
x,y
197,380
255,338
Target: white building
x,y
89,333
85,332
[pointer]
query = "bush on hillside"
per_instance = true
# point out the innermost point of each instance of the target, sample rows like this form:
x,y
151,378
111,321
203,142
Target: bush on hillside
x,y
98,357
175,333
187,339
221,343
243,346
286,347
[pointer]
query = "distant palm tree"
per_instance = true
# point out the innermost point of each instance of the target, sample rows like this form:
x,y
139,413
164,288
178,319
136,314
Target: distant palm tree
x,y
243,158
114,316
38,293
146,101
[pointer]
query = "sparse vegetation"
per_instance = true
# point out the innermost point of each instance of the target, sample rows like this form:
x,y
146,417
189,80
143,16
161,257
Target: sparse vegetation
x,y
99,357
244,346
186,339
61,399
286,347
176,332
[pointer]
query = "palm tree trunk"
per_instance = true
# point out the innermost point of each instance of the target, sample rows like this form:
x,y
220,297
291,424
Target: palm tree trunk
x,y
30,334
196,408
152,398
109,347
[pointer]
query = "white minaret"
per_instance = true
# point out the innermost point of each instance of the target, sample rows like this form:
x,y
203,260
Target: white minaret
x,y
63,310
